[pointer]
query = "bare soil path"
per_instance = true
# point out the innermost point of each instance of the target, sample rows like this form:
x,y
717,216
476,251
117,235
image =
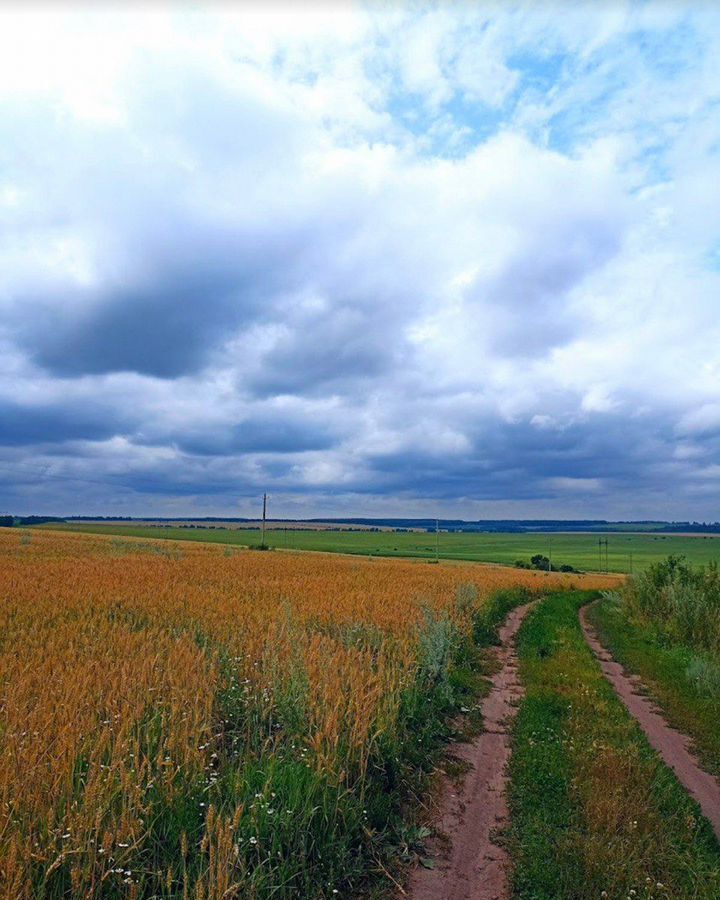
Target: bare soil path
x,y
673,746
475,867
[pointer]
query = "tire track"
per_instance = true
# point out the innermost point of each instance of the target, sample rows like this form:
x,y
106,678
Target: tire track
x,y
673,746
477,868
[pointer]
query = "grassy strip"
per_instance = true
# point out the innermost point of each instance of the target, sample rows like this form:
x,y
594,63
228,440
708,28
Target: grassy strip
x,y
671,671
593,808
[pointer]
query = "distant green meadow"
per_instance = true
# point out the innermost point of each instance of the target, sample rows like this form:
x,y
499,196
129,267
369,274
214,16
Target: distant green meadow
x,y
625,551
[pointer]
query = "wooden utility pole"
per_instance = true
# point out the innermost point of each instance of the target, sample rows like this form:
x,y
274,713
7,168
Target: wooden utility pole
x,y
550,556
437,540
262,538
602,543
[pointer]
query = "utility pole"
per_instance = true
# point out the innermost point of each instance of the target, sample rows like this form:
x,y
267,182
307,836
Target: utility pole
x,y
631,567
602,543
437,541
262,538
550,556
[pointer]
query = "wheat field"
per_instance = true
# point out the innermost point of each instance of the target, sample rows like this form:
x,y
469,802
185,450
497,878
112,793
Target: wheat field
x,y
183,720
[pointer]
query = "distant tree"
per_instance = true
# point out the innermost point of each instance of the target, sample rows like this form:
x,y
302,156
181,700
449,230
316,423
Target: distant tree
x,y
540,562
7,521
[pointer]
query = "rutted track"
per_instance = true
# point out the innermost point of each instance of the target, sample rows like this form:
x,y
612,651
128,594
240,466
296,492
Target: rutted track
x,y
672,745
476,868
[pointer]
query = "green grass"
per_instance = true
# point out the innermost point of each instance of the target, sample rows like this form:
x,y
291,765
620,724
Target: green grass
x,y
668,669
579,550
593,807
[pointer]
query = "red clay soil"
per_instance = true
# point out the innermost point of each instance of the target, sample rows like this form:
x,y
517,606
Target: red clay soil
x,y
476,868
673,746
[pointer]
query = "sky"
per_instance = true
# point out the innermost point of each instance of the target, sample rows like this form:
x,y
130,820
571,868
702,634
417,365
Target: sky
x,y
374,259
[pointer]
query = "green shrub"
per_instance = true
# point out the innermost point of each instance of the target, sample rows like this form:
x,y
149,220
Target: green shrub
x,y
683,602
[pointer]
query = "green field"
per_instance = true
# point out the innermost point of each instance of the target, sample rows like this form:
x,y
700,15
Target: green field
x,y
625,551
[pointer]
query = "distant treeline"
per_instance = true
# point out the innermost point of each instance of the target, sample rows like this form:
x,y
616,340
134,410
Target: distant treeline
x,y
525,526
488,526
699,527
10,521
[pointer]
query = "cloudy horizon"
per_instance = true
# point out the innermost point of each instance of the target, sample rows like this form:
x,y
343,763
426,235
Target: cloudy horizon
x,y
455,260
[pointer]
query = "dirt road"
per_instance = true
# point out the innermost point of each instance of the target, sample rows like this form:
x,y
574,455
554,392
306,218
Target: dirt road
x,y
476,868
672,745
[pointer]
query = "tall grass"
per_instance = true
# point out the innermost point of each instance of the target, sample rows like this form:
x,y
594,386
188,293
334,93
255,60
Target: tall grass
x,y
681,600
195,725
682,604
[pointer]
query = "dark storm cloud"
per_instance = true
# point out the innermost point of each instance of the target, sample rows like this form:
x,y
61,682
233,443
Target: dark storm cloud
x,y
279,434
22,425
163,329
523,461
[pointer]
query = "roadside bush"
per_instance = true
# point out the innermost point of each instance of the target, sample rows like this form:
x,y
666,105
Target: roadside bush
x,y
680,600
